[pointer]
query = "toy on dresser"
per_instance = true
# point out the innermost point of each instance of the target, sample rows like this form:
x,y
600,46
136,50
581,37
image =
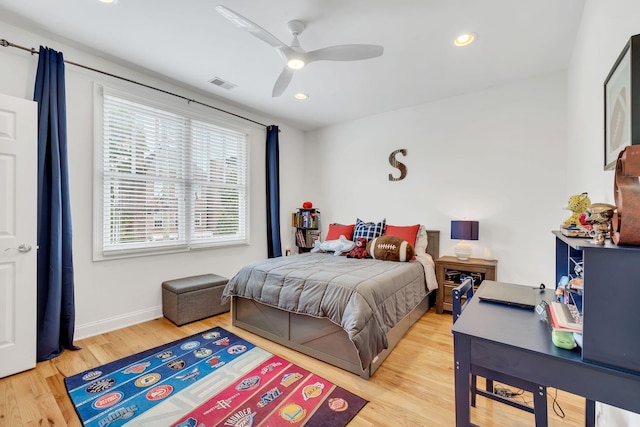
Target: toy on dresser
x,y
576,225
599,216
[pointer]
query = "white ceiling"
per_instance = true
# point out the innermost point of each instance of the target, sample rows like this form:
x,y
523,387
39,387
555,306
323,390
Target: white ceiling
x,y
190,42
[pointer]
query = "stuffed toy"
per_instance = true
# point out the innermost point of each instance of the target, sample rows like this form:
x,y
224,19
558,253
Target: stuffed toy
x,y
360,251
578,204
390,248
338,246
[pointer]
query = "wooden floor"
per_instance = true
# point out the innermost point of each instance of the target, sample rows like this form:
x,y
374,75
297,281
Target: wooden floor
x,y
413,387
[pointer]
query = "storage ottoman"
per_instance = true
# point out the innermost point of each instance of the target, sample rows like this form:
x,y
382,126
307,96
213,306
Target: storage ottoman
x,y
193,298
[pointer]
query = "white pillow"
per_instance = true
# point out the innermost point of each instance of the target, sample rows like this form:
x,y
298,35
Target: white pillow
x,y
421,240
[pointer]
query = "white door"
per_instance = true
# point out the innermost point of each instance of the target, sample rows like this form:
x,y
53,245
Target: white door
x,y
18,234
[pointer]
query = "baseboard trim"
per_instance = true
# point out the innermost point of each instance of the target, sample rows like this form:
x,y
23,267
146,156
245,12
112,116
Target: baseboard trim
x,y
117,322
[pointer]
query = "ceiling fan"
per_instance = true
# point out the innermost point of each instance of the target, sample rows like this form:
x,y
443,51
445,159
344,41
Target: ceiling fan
x,y
294,55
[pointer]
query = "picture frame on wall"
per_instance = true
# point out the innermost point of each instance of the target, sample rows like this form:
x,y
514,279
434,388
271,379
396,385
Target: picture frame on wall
x,y
622,103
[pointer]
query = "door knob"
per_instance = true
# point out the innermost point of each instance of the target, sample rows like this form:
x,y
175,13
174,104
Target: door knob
x,y
22,248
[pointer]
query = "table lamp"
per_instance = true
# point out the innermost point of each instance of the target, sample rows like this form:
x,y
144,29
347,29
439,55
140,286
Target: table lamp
x,y
463,231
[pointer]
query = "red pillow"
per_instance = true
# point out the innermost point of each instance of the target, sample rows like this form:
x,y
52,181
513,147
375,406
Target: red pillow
x,y
408,233
335,230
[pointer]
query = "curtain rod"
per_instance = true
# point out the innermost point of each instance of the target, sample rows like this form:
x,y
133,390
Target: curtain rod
x,y
6,43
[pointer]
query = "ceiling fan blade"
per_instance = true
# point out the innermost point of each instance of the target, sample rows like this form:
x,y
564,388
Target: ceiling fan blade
x,y
287,53
282,82
250,27
346,52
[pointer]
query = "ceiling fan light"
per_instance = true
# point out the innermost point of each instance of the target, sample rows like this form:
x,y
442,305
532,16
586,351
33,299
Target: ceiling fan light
x,y
109,1
301,96
465,39
295,63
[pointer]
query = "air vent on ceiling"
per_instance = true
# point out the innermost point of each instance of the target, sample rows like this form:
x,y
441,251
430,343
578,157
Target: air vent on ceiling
x,y
222,83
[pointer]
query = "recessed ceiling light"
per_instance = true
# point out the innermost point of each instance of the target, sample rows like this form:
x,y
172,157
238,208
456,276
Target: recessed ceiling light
x,y
301,96
465,39
109,1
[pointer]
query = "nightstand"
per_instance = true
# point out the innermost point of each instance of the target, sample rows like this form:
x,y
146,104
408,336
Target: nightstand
x,y
448,265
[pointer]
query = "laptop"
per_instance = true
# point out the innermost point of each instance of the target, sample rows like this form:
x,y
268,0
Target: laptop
x,y
505,293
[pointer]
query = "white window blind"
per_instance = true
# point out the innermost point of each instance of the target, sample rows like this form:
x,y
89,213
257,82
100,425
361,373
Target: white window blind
x,y
169,181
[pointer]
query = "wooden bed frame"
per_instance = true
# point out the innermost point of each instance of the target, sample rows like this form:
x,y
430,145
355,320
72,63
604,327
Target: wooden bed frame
x,y
319,337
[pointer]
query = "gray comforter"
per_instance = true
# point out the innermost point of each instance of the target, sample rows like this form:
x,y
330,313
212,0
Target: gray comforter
x,y
366,297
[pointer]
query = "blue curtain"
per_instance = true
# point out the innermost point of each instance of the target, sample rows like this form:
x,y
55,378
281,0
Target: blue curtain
x,y
56,310
273,193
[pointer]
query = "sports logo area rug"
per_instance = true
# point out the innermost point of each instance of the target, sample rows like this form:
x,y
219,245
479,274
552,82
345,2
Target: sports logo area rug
x,y
214,378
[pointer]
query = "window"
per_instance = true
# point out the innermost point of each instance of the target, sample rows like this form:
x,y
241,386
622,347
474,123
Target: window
x,y
168,180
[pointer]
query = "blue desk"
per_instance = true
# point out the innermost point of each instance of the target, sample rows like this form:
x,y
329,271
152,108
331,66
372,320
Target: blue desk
x,y
516,342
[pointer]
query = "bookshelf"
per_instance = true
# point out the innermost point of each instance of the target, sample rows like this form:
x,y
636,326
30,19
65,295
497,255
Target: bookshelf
x,y
610,298
306,223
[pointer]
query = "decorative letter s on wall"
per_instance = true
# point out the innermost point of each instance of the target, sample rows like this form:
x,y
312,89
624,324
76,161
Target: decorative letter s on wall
x,y
396,164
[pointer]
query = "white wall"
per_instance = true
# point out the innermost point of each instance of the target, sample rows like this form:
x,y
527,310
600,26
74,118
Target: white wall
x,y
497,156
116,293
605,29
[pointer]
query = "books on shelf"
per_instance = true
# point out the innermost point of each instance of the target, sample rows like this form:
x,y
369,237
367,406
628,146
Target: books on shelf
x,y
306,218
312,236
306,223
307,238
564,317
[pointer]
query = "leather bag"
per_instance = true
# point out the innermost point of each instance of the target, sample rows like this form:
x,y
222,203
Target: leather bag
x,y
625,224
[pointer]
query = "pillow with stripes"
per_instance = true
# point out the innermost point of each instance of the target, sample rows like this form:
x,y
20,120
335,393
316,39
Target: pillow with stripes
x,y
368,230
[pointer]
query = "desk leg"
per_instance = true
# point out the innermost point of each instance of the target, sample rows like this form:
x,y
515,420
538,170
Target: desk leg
x,y
462,371
540,406
590,414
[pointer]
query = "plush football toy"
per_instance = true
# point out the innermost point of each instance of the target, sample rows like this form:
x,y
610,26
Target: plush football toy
x,y
360,251
577,204
390,248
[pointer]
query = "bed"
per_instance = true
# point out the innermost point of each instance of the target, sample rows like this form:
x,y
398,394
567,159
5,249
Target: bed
x,y
307,303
